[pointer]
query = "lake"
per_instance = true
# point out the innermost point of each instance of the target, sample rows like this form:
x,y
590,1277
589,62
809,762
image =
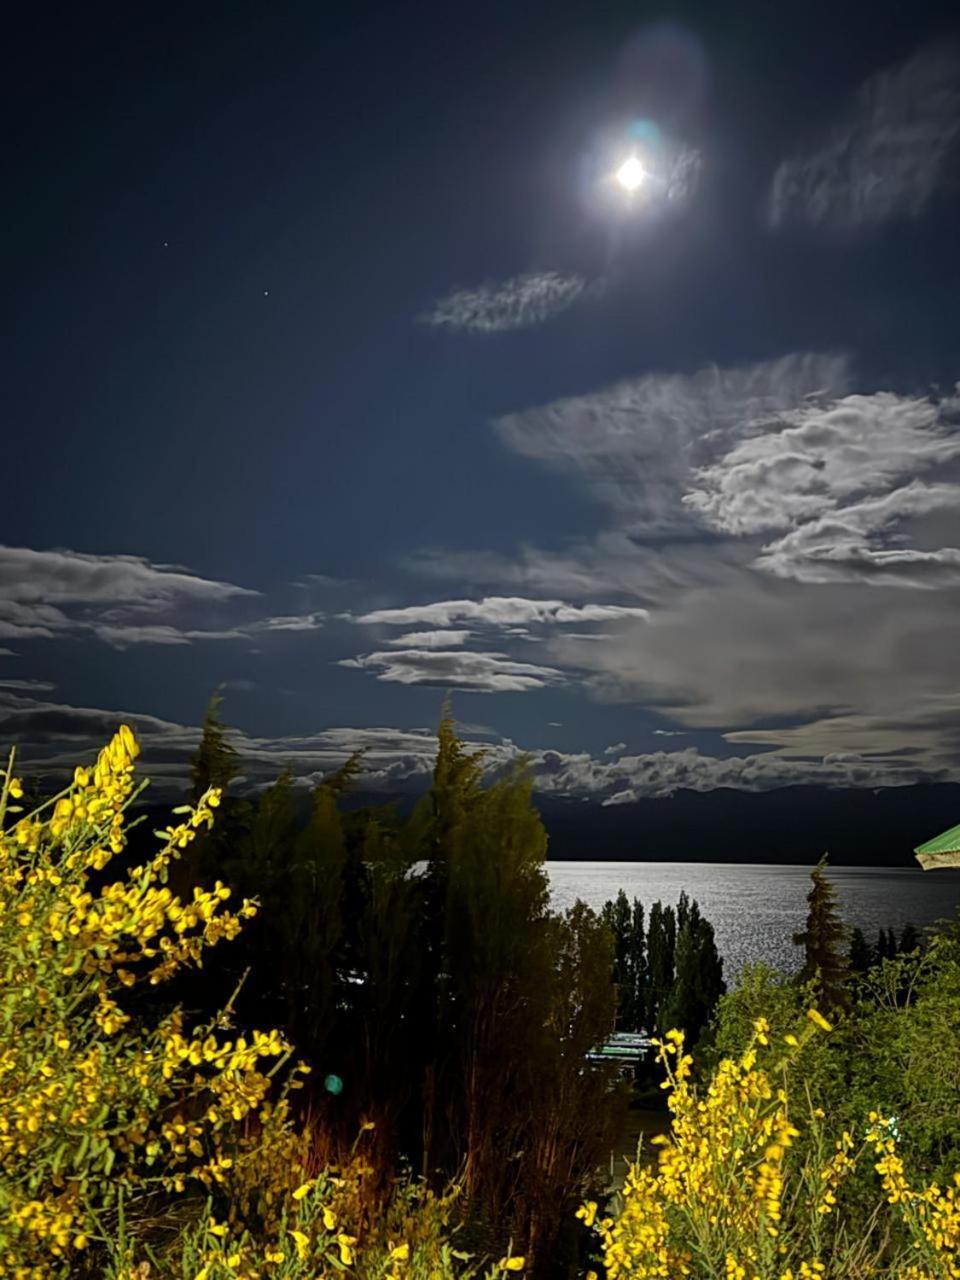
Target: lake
x,y
755,908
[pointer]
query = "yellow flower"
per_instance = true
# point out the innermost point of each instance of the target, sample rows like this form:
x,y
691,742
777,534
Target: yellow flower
x,y
515,1263
346,1244
588,1212
792,1041
329,1219
304,1189
217,1228
401,1252
15,788
302,1242
818,1020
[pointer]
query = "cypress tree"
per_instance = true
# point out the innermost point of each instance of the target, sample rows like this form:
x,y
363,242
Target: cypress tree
x,y
861,953
824,962
661,946
217,761
910,939
639,976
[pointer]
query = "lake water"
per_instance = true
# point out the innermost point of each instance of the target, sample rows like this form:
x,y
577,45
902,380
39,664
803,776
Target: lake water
x,y
754,908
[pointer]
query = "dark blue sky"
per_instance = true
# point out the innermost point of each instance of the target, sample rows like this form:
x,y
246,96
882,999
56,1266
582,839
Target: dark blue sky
x,y
346,309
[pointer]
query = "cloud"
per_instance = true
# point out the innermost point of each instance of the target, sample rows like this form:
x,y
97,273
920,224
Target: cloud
x,y
431,639
634,444
831,476
289,622
752,655
47,594
885,161
74,578
661,774
502,306
615,749
500,611
769,519
123,601
456,669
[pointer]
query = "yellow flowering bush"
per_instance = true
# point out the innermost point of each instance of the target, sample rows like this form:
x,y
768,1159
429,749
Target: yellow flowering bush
x,y
733,1193
132,1145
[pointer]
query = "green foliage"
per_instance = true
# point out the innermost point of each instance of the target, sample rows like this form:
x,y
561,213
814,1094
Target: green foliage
x,y
895,1047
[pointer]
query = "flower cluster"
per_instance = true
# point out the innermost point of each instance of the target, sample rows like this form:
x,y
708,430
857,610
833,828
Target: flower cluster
x,y
932,1215
93,1109
738,1192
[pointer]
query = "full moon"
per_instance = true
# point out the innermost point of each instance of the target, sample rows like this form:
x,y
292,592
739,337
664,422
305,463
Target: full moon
x,y
631,174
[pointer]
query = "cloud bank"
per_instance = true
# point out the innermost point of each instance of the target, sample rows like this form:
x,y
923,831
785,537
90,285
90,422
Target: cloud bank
x,y
53,737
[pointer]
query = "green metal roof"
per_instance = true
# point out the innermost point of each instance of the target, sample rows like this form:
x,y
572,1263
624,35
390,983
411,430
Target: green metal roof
x,y
942,850
948,842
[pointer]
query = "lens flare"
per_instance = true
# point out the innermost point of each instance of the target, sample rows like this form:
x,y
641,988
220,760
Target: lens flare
x,y
631,174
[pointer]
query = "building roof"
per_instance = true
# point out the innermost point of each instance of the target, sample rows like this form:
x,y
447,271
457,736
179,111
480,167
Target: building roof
x,y
942,851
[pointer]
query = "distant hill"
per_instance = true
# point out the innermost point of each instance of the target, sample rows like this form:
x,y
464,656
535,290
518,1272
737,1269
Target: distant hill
x,y
792,825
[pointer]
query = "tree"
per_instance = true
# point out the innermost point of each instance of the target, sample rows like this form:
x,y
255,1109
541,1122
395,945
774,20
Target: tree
x,y
217,761
861,953
698,974
823,960
910,939
661,947
638,970
625,922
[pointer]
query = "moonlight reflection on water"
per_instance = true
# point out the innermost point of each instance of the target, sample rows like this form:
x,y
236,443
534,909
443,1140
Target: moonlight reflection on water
x,y
754,908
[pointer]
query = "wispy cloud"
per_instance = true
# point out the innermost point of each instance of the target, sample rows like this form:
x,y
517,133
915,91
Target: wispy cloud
x,y
45,594
505,305
886,159
124,601
456,669
634,443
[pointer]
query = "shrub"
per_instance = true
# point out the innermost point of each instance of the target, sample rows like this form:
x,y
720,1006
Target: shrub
x,y
735,1193
135,1145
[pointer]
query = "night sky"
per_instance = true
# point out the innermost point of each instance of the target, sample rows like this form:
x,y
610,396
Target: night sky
x,y
341,370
